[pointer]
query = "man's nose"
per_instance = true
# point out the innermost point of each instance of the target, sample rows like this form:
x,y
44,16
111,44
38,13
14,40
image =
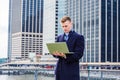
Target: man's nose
x,y
64,28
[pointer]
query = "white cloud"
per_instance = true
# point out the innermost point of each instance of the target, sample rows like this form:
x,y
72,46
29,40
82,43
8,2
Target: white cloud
x,y
4,7
3,44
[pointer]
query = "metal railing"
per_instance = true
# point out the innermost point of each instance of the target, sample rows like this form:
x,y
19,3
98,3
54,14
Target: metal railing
x,y
87,71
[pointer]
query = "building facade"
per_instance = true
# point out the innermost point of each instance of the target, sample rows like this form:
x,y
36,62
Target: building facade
x,y
98,21
60,12
25,28
49,23
110,30
53,11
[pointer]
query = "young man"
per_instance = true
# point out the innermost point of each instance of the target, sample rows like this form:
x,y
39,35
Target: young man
x,y
68,65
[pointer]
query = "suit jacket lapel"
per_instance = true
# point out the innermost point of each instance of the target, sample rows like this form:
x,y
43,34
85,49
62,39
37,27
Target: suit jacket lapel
x,y
62,38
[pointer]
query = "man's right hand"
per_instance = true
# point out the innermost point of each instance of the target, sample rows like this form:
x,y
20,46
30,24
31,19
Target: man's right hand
x,y
56,53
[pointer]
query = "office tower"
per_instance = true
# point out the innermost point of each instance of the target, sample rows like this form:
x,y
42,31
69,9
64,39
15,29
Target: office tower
x,y
53,11
25,28
60,12
48,23
99,22
110,30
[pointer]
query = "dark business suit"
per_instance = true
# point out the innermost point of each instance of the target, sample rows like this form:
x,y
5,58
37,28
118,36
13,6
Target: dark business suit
x,y
68,69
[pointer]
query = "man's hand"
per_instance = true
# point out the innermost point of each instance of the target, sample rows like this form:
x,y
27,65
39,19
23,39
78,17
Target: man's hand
x,y
56,53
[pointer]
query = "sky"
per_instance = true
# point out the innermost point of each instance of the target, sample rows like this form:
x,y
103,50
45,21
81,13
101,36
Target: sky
x,y
4,8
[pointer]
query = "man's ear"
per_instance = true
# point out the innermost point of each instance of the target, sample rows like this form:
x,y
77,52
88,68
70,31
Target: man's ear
x,y
71,23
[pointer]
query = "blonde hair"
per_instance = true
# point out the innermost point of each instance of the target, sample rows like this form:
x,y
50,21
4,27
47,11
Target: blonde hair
x,y
65,18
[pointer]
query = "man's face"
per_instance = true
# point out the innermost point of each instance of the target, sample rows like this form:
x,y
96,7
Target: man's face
x,y
66,26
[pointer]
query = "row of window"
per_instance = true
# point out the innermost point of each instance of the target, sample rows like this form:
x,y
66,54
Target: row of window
x,y
27,20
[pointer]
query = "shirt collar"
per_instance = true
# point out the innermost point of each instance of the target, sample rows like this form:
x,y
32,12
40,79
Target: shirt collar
x,y
68,33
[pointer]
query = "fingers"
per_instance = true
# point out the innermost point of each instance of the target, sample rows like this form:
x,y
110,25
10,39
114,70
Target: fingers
x,y
56,53
63,55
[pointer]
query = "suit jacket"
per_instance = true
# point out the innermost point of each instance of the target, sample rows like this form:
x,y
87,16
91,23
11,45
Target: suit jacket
x,y
68,69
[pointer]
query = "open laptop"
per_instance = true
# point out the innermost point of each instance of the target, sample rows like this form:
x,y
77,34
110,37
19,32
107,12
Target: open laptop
x,y
59,47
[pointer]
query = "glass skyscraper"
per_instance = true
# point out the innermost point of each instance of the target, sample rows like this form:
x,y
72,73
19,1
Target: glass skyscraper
x,y
25,28
110,30
99,22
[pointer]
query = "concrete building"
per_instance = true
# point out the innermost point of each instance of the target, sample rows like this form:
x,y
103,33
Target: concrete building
x,y
53,11
49,23
60,13
25,28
